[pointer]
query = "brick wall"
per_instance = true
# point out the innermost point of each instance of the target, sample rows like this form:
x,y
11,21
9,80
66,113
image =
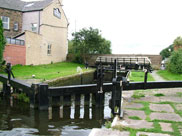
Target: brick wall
x,y
15,16
15,54
155,59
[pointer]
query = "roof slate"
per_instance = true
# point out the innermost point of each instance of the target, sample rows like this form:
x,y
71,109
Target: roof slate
x,y
24,6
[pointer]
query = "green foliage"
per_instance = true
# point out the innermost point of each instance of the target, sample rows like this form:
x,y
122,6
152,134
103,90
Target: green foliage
x,y
165,53
88,41
2,41
23,97
175,62
108,124
178,41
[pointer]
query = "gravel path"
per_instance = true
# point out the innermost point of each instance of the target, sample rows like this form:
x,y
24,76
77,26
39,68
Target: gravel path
x,y
156,76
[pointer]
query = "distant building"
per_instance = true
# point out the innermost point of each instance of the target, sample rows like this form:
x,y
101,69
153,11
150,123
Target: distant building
x,y
36,31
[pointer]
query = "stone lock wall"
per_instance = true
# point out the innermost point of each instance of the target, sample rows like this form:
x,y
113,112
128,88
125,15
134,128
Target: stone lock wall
x,y
14,16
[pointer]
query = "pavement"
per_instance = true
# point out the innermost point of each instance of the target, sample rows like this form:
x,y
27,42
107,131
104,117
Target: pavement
x,y
158,113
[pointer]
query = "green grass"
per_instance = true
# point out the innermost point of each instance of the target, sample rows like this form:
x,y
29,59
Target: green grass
x,y
139,76
134,118
138,95
159,94
169,76
179,94
46,72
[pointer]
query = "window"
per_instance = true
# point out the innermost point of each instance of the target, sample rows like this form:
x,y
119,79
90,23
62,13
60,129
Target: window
x,y
57,13
49,49
5,21
34,27
16,26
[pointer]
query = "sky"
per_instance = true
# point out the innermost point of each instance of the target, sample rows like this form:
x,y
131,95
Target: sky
x,y
132,26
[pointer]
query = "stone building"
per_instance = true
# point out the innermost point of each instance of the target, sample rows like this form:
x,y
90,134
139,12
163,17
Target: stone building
x,y
36,31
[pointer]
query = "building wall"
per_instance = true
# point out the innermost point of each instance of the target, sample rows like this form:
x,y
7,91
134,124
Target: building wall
x,y
15,54
29,18
34,48
15,16
52,31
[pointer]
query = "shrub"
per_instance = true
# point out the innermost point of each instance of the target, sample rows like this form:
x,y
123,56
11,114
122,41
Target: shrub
x,y
175,62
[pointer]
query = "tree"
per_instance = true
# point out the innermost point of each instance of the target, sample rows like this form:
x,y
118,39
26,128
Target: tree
x,y
2,41
175,62
178,41
166,53
89,41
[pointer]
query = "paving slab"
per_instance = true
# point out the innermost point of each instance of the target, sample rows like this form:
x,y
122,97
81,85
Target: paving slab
x,y
171,99
178,106
137,124
150,134
166,127
165,116
161,107
108,132
134,105
138,113
150,99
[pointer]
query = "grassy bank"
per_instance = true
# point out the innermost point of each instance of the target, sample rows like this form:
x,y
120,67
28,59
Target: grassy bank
x,y
169,76
46,72
139,77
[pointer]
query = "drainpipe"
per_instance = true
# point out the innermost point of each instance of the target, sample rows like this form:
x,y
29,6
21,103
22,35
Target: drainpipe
x,y
39,24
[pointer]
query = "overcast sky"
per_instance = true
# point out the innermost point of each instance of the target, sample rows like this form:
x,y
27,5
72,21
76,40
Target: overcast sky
x,y
132,26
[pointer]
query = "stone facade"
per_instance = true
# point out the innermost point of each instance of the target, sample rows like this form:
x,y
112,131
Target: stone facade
x,y
15,16
48,42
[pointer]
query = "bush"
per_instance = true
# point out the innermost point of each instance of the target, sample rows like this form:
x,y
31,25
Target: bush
x,y
175,62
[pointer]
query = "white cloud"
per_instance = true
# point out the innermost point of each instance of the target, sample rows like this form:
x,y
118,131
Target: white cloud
x,y
133,26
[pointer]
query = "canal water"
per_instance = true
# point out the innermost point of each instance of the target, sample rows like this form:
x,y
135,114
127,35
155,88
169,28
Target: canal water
x,y
18,119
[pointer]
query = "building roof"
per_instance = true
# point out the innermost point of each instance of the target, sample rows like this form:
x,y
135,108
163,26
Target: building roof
x,y
24,5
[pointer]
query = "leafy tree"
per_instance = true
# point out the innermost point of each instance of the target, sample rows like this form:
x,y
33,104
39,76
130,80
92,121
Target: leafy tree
x,y
89,41
175,62
178,41
165,53
2,41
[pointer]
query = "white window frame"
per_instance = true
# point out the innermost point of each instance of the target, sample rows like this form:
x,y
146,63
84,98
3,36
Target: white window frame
x,y
4,22
49,46
34,27
16,26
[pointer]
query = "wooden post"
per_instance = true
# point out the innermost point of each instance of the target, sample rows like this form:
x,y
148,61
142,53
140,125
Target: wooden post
x,y
43,97
34,95
6,89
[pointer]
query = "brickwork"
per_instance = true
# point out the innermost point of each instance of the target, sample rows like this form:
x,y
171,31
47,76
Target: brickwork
x,y
15,16
155,59
15,54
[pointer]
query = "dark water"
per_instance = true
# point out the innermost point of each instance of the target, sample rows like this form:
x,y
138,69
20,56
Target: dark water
x,y
17,119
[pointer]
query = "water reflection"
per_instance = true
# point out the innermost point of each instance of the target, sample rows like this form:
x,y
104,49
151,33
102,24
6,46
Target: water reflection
x,y
74,118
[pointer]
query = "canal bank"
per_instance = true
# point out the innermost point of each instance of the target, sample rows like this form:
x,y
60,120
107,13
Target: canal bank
x,y
155,112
